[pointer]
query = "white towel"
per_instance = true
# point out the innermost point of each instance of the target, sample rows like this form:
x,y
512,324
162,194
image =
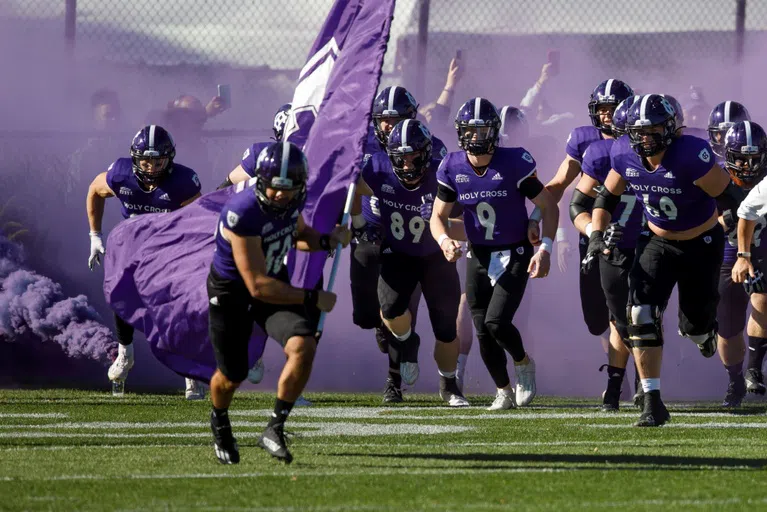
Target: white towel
x,y
499,260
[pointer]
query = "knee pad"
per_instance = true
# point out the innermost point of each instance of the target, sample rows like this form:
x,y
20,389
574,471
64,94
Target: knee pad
x,y
644,328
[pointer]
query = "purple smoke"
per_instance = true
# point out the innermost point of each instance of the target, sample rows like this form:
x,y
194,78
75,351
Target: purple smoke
x,y
35,304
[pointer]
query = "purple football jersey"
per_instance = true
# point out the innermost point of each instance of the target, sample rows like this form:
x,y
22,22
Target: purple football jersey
x,y
370,208
243,216
403,228
670,198
494,209
250,157
178,187
596,164
580,139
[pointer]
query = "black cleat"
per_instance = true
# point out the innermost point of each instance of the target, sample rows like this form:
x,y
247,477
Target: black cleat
x,y
655,413
382,338
392,394
273,441
639,398
736,392
224,443
755,381
610,401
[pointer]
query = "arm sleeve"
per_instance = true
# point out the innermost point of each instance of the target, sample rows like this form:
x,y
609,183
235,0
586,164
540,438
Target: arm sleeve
x,y
446,194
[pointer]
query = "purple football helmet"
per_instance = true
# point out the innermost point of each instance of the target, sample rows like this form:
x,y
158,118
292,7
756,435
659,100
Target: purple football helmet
x,y
677,108
409,137
646,114
514,127
280,120
620,116
281,166
610,93
478,117
721,119
745,146
394,104
152,142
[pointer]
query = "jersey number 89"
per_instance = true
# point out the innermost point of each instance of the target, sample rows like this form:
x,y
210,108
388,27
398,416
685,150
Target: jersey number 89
x,y
415,226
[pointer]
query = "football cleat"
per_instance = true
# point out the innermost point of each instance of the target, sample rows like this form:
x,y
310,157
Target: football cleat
x,y
736,392
194,390
755,381
273,441
120,368
449,392
256,374
392,394
224,443
504,400
654,413
526,389
302,402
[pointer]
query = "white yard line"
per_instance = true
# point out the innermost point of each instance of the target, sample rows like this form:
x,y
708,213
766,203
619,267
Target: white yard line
x,y
316,444
33,415
679,425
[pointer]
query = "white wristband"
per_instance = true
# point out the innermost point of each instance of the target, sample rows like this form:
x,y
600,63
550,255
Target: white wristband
x,y
441,239
536,214
546,244
94,233
589,229
561,235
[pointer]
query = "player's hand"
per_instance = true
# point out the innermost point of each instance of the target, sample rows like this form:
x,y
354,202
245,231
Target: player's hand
x,y
613,235
534,232
426,209
596,247
97,250
326,301
451,249
540,264
742,269
755,283
340,235
563,252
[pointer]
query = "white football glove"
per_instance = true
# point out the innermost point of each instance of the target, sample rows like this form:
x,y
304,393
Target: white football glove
x,y
97,249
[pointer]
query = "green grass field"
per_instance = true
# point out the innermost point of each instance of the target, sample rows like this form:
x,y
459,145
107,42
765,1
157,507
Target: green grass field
x,y
82,450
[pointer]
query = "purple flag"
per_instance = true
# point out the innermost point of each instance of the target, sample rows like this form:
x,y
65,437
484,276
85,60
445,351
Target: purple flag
x,y
156,265
331,113
155,270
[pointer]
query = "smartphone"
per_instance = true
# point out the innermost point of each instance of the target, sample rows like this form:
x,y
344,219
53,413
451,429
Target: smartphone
x,y
225,93
552,57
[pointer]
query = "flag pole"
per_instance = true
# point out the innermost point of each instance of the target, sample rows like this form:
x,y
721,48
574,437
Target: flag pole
x,y
337,255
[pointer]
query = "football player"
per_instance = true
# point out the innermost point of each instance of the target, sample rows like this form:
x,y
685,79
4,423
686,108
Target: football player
x,y
723,117
613,269
405,182
604,99
147,182
745,152
248,282
492,183
678,183
392,105
247,167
